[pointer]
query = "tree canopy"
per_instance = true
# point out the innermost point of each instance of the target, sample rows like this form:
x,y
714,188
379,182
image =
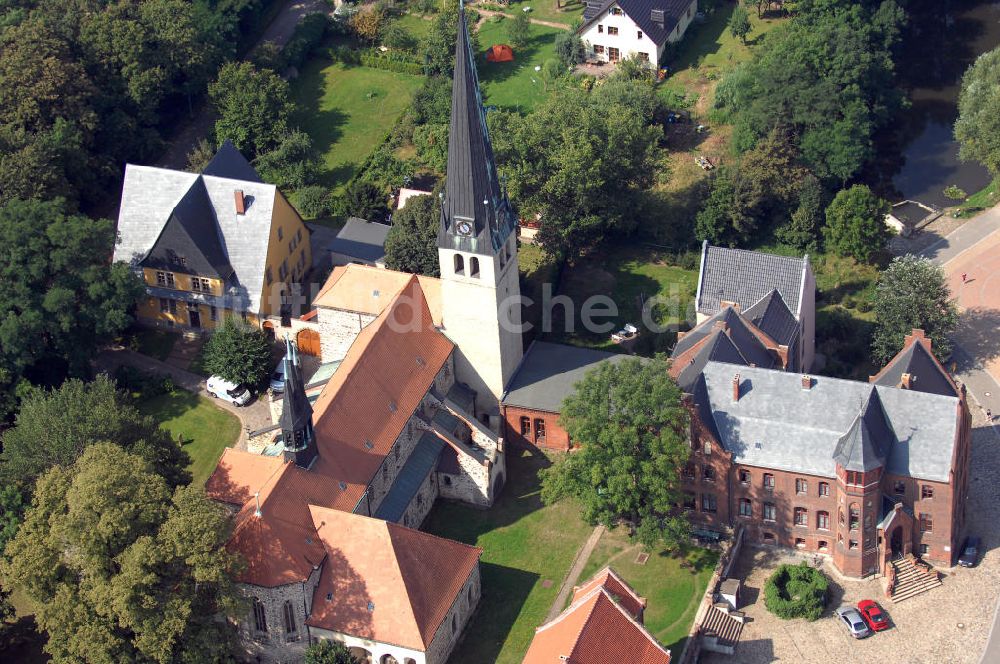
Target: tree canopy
x,y
253,106
978,126
119,568
411,245
59,296
329,652
855,223
633,431
579,161
238,352
53,428
911,294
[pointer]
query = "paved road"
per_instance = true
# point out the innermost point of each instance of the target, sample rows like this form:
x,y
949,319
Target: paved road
x,y
200,126
965,237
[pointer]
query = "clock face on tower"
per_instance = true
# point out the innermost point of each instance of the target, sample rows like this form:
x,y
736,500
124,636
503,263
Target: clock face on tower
x,y
464,228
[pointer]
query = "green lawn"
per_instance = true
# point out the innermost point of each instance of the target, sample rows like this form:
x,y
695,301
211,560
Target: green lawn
x,y
347,111
981,200
205,428
673,585
526,547
415,24
629,275
515,85
154,343
546,10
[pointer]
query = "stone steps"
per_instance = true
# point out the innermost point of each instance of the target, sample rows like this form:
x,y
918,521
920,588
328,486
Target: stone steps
x,y
911,582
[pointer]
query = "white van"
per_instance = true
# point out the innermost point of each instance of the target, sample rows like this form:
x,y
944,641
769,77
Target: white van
x,y
218,387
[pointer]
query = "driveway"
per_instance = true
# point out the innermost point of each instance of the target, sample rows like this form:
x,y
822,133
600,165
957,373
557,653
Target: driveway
x,y
948,624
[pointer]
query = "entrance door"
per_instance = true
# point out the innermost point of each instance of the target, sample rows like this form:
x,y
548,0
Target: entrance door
x,y
614,55
194,316
896,542
308,342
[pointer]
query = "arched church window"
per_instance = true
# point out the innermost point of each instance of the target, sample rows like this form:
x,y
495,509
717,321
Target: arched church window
x,y
473,267
459,264
288,615
259,616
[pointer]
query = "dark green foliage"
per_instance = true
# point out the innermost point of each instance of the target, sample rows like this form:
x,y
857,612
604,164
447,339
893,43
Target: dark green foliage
x,y
12,506
384,169
238,352
570,48
580,160
827,77
253,107
292,163
411,245
59,297
307,37
432,102
200,156
313,201
399,38
397,62
518,30
796,591
978,127
631,68
431,141
739,23
632,429
855,224
911,294
54,428
123,569
365,200
438,47
722,212
804,230
329,652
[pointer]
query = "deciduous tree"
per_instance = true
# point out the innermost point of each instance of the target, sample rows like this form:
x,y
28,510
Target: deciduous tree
x,y
518,30
292,163
804,230
238,352
739,23
329,652
569,48
978,126
122,569
253,106
911,294
633,431
411,245
855,223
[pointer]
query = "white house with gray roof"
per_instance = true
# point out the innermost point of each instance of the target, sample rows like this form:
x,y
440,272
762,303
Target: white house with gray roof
x,y
776,293
616,29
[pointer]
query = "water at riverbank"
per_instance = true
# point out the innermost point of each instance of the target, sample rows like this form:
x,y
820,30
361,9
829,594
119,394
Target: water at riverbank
x,y
943,39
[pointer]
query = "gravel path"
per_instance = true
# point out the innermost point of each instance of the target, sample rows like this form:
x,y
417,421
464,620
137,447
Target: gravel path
x,y
582,556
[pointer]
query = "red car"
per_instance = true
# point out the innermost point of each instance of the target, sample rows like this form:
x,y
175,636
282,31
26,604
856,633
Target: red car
x,y
873,615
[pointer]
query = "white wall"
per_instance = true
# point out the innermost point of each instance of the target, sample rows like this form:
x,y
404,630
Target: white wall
x,y
628,41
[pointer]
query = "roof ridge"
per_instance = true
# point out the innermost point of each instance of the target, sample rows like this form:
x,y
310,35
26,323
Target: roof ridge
x,y
402,578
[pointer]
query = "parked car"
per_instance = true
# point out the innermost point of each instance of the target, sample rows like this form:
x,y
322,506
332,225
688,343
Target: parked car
x,y
873,615
278,377
970,552
220,388
853,621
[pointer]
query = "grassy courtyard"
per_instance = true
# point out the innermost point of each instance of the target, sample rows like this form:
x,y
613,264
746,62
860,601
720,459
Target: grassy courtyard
x,y
515,86
204,428
528,549
673,585
347,110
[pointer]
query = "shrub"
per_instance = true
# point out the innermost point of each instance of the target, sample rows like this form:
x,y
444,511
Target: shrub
x,y
307,37
312,201
796,591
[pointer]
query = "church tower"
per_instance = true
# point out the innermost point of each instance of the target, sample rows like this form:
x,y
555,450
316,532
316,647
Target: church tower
x,y
477,246
296,413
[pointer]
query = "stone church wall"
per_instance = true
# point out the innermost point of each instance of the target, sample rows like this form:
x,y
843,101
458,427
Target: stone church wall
x,y
451,628
423,500
276,645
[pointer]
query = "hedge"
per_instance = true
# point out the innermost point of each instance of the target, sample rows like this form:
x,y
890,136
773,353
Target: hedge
x,y
796,591
390,63
308,35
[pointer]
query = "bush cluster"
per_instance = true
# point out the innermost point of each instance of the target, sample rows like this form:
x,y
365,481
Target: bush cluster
x,y
391,62
308,35
136,381
796,591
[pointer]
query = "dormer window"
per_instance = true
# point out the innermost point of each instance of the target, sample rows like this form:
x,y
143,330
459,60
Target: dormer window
x,y
459,264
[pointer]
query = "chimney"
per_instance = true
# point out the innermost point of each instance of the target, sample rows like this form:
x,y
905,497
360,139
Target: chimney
x,y
917,335
241,207
907,380
736,387
807,382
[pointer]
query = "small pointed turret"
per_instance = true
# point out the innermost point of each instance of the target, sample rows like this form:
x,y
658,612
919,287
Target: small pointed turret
x,y
296,413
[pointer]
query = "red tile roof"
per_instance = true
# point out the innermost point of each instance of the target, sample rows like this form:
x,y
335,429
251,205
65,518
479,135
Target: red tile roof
x,y
357,418
369,290
618,589
389,583
595,629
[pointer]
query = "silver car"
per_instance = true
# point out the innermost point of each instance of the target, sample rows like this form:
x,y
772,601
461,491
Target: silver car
x,y
852,619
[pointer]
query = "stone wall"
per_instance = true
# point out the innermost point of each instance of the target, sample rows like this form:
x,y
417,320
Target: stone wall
x,y
337,331
422,502
276,645
385,477
455,622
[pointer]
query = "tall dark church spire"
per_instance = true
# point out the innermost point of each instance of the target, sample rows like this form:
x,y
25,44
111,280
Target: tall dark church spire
x,y
476,216
296,413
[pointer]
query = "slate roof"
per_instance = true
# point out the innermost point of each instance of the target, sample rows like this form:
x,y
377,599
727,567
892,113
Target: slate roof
x,y
866,443
772,315
411,476
640,11
725,337
230,163
296,410
472,190
549,372
198,212
364,240
746,277
926,373
595,629
387,583
778,424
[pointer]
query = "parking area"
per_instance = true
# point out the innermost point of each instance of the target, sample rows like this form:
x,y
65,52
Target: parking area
x,y
947,624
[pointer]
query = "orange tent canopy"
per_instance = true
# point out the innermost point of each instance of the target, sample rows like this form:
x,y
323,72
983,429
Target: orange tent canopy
x,y
500,53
